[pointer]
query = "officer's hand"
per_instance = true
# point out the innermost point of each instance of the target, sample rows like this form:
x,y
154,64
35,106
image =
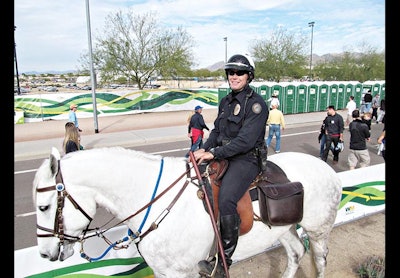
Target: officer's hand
x,y
201,155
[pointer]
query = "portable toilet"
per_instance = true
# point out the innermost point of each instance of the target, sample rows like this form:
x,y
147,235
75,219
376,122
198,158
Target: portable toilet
x,y
323,95
223,91
348,91
358,91
333,94
312,97
277,89
301,98
342,100
289,97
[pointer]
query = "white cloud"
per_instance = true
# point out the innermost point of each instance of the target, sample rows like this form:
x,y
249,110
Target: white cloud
x,y
51,35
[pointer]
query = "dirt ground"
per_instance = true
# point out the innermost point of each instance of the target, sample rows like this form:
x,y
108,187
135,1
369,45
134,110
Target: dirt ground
x,y
349,246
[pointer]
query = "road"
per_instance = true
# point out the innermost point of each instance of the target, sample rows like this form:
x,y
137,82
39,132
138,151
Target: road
x,y
297,138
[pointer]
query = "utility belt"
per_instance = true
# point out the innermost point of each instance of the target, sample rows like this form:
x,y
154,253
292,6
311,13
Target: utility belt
x,y
260,152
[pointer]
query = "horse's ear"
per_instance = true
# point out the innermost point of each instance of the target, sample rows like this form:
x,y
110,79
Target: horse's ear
x,y
55,153
54,158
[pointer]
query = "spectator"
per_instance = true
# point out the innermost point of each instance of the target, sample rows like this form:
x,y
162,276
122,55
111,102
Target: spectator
x,y
72,116
275,121
274,100
72,139
195,129
366,118
359,134
375,106
334,126
350,107
382,143
367,101
381,111
322,139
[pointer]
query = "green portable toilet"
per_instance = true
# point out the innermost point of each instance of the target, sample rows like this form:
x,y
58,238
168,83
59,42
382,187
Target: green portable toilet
x,y
264,91
323,96
358,91
312,97
223,91
341,95
278,90
383,87
333,94
289,97
301,98
348,91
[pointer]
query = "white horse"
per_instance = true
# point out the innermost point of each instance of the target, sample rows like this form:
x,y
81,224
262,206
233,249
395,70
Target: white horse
x,y
123,181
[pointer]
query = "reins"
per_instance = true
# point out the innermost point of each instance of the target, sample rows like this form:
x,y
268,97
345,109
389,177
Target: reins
x,y
58,230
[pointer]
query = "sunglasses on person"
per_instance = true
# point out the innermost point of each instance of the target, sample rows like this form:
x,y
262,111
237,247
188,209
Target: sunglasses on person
x,y
238,73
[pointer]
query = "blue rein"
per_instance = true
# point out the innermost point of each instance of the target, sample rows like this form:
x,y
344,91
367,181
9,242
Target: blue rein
x,y
130,233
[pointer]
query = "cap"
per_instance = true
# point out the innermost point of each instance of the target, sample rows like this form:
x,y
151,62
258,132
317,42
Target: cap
x,y
197,107
73,106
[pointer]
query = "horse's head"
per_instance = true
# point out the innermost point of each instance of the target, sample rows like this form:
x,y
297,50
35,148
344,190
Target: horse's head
x,y
60,219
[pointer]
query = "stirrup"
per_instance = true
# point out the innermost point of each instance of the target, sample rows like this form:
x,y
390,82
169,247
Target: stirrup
x,y
208,268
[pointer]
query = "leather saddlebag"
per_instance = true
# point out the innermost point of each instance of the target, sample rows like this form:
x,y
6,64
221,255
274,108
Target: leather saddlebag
x,y
281,204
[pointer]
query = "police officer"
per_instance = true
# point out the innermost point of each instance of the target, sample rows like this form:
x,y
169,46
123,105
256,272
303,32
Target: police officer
x,y
239,130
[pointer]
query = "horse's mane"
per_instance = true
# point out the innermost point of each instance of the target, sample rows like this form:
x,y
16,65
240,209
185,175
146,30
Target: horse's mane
x,y
117,150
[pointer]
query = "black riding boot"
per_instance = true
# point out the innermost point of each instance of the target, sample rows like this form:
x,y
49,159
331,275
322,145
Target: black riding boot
x,y
229,228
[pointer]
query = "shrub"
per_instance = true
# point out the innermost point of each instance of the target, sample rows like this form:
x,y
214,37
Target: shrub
x,y
372,267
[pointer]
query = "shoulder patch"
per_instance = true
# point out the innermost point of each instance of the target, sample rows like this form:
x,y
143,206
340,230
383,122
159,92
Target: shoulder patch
x,y
256,108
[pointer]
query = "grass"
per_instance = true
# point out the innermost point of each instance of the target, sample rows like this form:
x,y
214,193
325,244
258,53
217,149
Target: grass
x,y
372,267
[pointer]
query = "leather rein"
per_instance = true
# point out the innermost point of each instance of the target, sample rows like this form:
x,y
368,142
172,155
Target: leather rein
x,y
62,193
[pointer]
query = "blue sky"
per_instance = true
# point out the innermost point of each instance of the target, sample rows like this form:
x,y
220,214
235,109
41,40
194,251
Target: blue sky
x,y
52,35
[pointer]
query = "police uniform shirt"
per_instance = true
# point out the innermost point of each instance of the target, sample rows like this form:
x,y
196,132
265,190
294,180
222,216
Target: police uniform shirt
x,y
239,126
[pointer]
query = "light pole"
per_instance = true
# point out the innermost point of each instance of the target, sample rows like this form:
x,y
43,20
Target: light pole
x,y
16,64
92,74
311,24
226,49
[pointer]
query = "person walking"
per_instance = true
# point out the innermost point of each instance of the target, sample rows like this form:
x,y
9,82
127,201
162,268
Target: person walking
x,y
367,102
72,116
273,100
382,143
195,129
381,111
350,107
322,139
334,126
359,135
237,136
275,122
375,106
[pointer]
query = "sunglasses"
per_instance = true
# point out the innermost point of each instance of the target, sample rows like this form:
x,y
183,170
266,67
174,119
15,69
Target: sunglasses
x,y
238,73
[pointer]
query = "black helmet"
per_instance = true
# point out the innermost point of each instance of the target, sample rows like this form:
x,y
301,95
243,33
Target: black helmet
x,y
241,62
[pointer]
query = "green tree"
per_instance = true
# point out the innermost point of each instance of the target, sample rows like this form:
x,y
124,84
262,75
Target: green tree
x,y
136,47
366,65
282,54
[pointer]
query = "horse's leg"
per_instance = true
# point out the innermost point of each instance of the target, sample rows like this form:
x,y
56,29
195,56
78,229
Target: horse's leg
x,y
319,248
294,249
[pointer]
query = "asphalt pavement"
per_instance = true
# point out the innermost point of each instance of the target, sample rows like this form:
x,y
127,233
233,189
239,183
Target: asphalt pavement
x,y
34,140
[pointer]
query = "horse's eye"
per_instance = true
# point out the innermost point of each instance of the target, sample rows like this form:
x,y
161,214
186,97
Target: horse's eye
x,y
43,208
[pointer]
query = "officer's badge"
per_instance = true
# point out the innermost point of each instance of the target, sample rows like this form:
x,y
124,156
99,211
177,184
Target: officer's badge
x,y
236,110
256,108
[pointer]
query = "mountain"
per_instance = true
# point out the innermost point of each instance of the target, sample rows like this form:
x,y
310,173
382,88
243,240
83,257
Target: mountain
x,y
316,59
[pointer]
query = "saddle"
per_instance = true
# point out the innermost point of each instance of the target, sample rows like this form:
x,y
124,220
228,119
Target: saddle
x,y
281,201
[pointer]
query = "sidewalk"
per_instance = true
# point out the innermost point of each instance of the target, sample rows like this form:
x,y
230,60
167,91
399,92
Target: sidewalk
x,y
35,140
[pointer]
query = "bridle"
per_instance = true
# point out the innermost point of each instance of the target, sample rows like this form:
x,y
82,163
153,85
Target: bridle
x,y
58,230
